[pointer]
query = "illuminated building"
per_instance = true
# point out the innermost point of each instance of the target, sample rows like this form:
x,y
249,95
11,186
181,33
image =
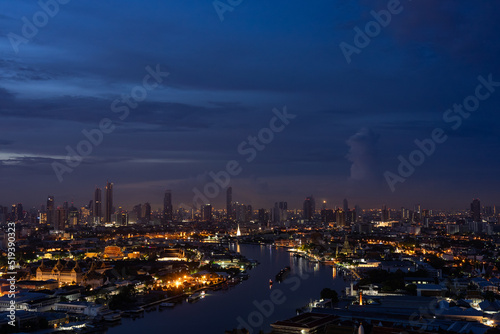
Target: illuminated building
x,y
51,211
61,273
97,206
113,252
73,216
109,203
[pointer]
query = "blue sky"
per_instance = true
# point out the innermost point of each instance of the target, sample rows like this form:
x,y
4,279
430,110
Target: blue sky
x,y
353,120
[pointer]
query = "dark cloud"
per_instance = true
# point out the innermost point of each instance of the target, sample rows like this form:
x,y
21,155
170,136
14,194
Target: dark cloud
x,y
225,79
363,155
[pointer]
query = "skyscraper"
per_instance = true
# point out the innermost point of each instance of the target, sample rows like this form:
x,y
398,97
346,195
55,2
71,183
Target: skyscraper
x,y
73,216
475,210
340,218
60,223
385,214
167,206
146,212
97,205
309,208
206,212
51,213
109,202
346,205
229,200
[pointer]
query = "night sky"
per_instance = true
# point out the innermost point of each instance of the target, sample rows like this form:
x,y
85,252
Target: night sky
x,y
353,119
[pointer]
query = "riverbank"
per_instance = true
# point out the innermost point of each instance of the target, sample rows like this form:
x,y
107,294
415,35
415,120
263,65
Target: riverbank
x,y
222,309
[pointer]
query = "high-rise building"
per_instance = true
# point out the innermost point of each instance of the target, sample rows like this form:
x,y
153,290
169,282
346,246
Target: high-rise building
x,y
229,201
66,208
417,213
146,212
309,208
385,214
249,215
97,212
475,210
51,211
73,216
346,205
262,216
60,223
17,212
206,212
358,213
109,202
340,218
327,216
136,213
167,206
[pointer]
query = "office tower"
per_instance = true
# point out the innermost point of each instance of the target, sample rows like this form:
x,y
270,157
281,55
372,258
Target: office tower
x,y
60,223
229,201
262,217
275,213
346,205
51,211
488,211
73,216
385,216
206,212
350,216
475,210
136,214
66,208
97,212
249,215
340,218
109,202
167,206
327,216
417,215
358,213
17,212
146,212
309,208
240,212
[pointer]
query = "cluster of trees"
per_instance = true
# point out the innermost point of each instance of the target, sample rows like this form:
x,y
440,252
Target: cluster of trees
x,y
123,299
327,293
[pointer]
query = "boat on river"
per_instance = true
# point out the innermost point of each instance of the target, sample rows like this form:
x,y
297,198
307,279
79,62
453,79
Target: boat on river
x,y
166,304
195,296
283,274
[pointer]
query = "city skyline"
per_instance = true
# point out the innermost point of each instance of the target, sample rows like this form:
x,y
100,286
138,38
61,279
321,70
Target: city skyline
x,y
166,205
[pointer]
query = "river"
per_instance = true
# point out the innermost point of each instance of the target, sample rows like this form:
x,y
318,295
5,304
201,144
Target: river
x,y
252,303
